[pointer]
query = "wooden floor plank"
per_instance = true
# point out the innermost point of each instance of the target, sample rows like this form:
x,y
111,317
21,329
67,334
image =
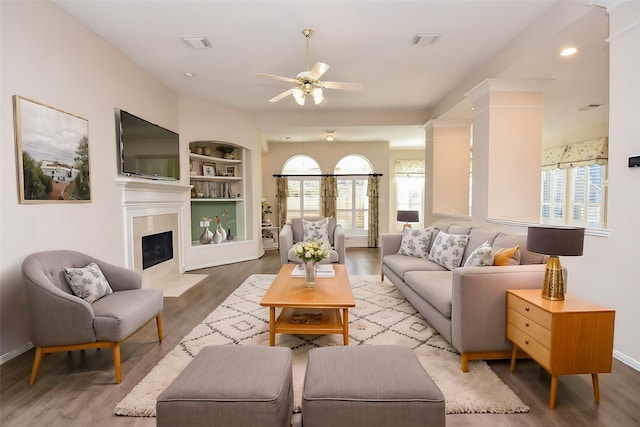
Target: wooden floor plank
x,y
78,389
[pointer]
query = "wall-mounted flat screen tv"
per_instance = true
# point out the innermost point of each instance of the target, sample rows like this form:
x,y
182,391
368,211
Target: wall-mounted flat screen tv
x,y
146,150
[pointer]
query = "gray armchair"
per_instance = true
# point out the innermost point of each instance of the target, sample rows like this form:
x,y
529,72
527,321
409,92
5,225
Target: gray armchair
x,y
293,233
61,321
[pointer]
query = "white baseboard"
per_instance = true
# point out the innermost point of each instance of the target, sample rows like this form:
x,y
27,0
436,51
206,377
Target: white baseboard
x,y
626,360
15,352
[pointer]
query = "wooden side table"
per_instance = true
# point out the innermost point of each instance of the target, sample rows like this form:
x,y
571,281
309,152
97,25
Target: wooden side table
x,y
567,337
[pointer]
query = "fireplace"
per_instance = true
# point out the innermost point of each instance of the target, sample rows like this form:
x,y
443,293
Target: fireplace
x,y
157,248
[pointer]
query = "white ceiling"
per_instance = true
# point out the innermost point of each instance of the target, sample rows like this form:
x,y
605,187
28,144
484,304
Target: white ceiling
x,y
367,42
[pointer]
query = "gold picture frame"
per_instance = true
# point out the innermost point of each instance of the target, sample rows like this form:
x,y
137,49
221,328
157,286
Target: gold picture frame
x,y
52,149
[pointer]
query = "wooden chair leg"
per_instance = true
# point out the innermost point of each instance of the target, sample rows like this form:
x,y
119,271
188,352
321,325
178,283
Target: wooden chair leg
x,y
116,362
159,324
36,366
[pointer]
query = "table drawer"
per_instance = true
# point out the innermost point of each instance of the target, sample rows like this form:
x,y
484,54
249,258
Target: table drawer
x,y
529,327
533,348
531,311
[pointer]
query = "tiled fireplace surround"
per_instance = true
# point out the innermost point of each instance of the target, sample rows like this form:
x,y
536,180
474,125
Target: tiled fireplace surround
x,y
151,207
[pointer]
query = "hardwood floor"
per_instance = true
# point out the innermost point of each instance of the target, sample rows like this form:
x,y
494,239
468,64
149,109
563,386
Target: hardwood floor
x,y
78,388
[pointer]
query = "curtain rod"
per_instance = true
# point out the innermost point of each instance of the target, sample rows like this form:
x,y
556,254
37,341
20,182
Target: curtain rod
x,y
276,175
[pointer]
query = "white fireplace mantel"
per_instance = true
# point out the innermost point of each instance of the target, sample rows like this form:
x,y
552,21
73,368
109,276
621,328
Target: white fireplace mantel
x,y
145,197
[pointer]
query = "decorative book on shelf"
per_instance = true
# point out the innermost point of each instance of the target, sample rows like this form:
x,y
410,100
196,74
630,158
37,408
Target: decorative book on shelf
x,y
322,271
307,318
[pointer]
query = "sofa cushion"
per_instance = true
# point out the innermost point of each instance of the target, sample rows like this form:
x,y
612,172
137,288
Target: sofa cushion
x,y
416,243
507,256
298,231
476,238
400,264
448,249
87,282
460,229
434,286
316,230
482,256
504,240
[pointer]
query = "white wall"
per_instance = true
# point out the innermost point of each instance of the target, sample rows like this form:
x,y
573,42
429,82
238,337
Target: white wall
x,y
50,58
200,120
608,271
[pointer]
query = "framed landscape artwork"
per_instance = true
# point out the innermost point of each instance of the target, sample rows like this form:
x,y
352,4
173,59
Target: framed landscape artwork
x,y
53,154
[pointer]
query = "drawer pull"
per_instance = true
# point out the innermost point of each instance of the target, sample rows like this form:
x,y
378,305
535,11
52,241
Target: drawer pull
x,y
526,309
526,342
526,324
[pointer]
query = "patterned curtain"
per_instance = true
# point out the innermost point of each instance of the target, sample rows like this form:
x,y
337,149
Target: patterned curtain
x,y
328,196
585,153
282,192
372,192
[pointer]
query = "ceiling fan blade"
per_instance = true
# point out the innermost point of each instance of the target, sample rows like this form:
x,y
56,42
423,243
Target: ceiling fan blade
x,y
341,85
282,95
274,77
318,70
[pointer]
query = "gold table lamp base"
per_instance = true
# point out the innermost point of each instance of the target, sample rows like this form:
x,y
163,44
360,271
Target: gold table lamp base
x,y
554,286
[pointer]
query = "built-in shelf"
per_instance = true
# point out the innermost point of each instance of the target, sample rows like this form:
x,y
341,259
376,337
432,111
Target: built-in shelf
x,y
219,199
218,186
215,178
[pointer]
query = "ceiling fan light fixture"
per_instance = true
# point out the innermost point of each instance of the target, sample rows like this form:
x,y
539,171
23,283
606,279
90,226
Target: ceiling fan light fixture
x,y
331,135
317,95
298,95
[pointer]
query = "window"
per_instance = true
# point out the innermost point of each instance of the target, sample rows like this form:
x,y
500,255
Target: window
x,y
352,210
304,191
409,175
574,195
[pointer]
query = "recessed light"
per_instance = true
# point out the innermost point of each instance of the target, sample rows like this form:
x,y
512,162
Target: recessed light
x,y
568,51
189,74
330,135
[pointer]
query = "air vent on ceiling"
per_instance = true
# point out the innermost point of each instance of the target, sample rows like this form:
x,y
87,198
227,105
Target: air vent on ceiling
x,y
589,107
196,42
425,38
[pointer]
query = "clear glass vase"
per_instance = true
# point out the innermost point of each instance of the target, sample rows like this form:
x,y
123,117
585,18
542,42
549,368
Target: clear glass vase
x,y
309,274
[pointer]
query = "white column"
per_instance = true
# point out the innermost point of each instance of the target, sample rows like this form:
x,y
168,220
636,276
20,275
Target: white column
x,y
507,148
447,154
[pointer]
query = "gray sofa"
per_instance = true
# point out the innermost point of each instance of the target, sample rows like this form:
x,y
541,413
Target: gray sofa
x,y
467,305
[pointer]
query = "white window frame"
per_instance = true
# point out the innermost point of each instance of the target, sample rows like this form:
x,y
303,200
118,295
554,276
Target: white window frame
x,y
561,196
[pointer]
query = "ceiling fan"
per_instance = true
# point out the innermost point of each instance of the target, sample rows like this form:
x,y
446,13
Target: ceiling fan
x,y
308,82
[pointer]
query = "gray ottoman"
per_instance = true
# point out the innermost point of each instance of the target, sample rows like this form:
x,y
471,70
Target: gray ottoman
x,y
231,386
369,386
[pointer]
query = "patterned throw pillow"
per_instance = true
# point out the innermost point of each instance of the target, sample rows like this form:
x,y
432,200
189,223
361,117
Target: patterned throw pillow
x,y
415,243
448,249
481,256
507,256
88,283
316,230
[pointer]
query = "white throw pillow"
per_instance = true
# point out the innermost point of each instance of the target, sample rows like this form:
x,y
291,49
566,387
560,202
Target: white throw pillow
x,y
415,243
316,230
448,249
481,256
88,282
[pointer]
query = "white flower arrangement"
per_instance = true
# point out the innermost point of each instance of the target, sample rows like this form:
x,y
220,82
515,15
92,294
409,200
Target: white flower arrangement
x,y
313,250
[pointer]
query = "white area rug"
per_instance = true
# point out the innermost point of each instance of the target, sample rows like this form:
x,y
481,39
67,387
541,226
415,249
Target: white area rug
x,y
381,316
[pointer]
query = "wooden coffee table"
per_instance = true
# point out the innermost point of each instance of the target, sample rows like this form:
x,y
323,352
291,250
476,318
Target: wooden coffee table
x,y
329,296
